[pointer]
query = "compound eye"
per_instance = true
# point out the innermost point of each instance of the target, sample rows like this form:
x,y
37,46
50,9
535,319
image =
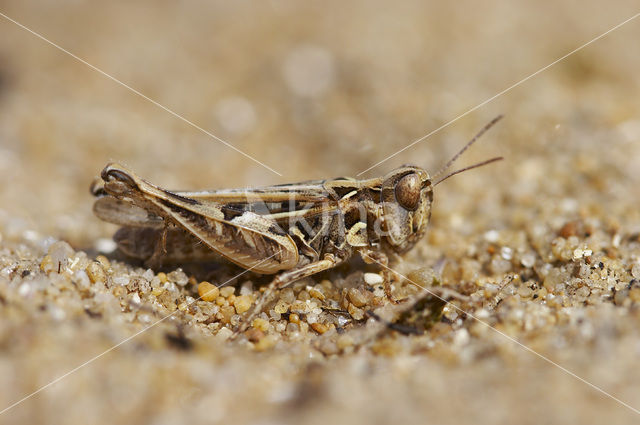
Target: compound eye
x,y
408,192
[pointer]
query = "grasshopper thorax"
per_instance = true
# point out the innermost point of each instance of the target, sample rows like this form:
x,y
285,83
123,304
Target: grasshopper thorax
x,y
406,200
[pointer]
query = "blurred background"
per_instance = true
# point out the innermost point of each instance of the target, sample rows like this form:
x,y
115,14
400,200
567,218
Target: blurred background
x,y
312,90
318,90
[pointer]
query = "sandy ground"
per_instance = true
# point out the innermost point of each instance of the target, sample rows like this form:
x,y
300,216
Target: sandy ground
x,y
315,91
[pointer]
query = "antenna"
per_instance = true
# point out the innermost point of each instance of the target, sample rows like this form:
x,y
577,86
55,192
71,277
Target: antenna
x,y
470,167
471,142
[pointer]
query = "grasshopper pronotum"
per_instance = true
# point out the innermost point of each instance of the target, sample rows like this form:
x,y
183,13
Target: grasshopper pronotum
x,y
295,230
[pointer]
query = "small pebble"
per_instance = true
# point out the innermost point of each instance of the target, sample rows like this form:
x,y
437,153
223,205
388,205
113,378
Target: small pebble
x,y
260,324
274,315
81,279
525,292
342,321
208,292
299,307
528,260
178,277
499,265
148,274
319,327
242,303
583,292
316,293
227,291
47,264
281,307
227,312
287,295
120,280
355,312
224,333
373,279
579,253
246,288
104,262
96,272
358,297
60,253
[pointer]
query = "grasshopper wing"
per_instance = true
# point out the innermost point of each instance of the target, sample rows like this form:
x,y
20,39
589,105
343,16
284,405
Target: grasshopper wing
x,y
249,240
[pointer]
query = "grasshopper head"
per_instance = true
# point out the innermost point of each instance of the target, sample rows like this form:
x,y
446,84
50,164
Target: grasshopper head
x,y
407,193
406,203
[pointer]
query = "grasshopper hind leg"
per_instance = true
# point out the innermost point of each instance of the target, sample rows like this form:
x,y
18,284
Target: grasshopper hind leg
x,y
285,278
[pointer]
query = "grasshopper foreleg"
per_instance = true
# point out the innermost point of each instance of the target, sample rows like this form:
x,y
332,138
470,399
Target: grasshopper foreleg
x,y
370,257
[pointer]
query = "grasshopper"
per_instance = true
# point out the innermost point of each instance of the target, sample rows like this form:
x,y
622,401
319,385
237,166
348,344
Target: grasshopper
x,y
292,230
